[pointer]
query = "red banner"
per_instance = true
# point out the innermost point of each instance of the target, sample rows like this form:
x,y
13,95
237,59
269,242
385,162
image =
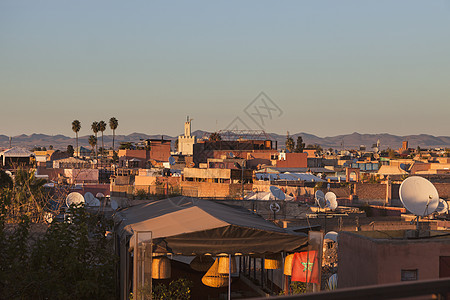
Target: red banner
x,y
305,267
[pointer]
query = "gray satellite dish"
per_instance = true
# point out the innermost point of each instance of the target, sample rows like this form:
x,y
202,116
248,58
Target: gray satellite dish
x,y
114,204
89,198
96,202
277,193
332,282
331,201
171,160
442,207
275,207
231,154
419,196
320,198
74,198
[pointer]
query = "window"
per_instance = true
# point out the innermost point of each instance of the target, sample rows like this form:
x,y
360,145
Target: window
x,y
409,275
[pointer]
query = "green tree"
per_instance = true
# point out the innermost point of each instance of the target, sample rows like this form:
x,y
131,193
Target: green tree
x,y
300,145
76,126
102,128
93,142
289,144
113,124
214,137
95,129
73,259
70,150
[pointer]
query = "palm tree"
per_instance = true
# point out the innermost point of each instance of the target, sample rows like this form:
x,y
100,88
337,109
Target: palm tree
x,y
76,126
113,123
93,142
101,128
94,128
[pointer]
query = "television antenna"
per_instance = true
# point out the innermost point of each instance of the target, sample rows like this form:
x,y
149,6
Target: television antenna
x,y
419,196
320,199
74,198
330,200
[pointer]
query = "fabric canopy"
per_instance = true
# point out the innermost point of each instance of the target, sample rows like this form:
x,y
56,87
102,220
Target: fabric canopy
x,y
191,226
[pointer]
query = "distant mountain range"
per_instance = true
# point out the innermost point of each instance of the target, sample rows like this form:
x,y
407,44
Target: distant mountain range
x,y
347,141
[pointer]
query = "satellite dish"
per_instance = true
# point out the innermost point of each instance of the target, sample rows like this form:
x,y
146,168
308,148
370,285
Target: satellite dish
x,y
275,207
404,167
171,160
89,198
419,196
231,155
332,235
74,198
96,202
442,207
99,195
331,201
114,204
320,198
277,193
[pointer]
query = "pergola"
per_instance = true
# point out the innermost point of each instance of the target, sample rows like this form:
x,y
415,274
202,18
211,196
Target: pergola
x,y
190,227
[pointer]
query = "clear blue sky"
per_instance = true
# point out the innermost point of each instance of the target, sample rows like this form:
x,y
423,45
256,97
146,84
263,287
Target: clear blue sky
x,y
332,67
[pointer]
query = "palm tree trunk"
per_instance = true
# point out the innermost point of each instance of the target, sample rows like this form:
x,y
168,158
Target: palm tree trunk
x,y
103,147
113,139
78,153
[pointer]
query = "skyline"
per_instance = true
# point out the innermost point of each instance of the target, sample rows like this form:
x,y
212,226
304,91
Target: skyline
x,y
331,68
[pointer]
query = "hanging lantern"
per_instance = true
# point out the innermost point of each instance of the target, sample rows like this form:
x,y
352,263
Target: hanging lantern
x,y
224,265
213,278
288,264
202,263
161,268
273,261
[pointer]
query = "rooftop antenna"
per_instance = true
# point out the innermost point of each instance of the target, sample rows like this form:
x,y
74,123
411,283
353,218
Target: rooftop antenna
x,y
10,141
419,196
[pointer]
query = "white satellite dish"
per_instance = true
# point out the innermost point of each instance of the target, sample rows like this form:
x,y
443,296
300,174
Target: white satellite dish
x,y
74,198
442,207
99,195
171,160
331,235
331,201
277,193
419,196
89,198
114,204
320,198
